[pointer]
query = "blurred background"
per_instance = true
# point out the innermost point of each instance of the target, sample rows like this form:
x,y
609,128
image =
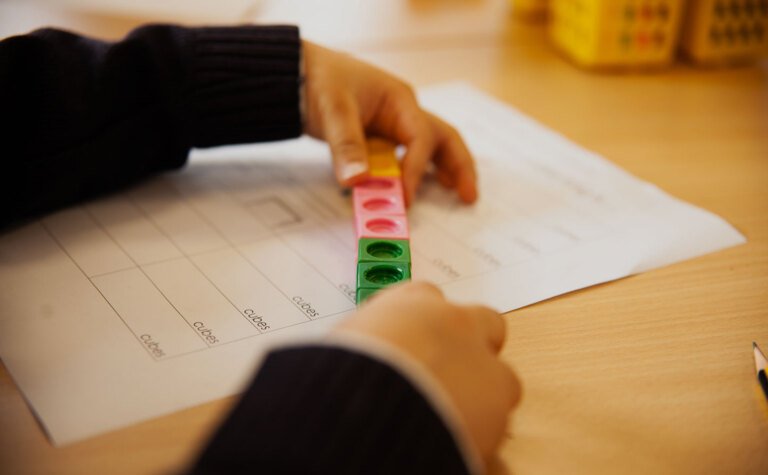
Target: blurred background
x,y
620,34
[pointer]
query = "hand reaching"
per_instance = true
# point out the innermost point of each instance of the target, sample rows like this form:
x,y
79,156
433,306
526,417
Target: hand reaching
x,y
457,344
346,99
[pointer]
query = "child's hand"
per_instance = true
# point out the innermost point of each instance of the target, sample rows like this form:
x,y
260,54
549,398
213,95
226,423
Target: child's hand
x,y
457,344
347,99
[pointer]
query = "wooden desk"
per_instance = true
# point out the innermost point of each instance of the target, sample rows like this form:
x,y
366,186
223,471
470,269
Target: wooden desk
x,y
649,374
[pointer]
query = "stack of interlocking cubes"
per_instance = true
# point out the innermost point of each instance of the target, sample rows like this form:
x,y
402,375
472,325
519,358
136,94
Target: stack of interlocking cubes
x,y
383,253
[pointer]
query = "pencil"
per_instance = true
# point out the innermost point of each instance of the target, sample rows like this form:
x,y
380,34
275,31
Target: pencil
x,y
760,363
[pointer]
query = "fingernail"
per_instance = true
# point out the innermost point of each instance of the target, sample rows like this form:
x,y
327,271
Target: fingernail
x,y
352,169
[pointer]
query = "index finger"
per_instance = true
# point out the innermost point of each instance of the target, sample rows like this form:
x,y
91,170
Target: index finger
x,y
401,119
418,138
454,161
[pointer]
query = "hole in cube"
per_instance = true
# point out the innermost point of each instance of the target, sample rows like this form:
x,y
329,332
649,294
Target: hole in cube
x,y
382,226
379,204
384,250
384,275
376,184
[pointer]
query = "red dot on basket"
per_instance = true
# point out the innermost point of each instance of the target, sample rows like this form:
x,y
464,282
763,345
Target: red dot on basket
x,y
642,39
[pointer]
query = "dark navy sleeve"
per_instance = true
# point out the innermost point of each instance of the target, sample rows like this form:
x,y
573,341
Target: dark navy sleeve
x,y
324,410
84,117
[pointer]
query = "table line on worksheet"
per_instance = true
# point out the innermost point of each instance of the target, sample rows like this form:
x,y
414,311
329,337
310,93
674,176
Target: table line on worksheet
x,y
184,257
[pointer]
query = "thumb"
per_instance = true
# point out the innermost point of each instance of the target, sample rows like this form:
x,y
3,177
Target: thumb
x,y
491,325
344,133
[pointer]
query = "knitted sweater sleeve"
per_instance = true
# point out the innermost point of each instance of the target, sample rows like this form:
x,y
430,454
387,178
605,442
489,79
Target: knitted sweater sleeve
x,y
315,410
84,117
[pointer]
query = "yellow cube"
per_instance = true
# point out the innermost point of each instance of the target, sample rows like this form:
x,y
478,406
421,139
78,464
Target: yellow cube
x,y
382,159
616,33
722,31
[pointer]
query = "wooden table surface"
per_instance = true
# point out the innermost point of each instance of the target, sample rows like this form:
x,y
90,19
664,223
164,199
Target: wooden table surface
x,y
649,374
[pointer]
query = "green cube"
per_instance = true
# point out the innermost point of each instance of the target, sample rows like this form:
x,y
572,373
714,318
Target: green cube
x,y
365,294
375,275
383,250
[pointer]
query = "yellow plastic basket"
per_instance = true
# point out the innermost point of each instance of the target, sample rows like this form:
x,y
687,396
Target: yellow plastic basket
x,y
616,33
723,31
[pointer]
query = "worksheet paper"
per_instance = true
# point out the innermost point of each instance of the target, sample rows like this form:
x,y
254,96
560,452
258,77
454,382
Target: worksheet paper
x,y
165,296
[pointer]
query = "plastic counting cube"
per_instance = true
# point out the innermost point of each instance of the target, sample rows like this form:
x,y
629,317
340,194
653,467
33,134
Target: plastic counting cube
x,y
382,159
386,203
390,185
723,31
380,209
616,33
377,275
381,226
383,250
364,294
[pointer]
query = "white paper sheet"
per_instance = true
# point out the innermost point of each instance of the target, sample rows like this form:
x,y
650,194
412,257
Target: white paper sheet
x,y
164,297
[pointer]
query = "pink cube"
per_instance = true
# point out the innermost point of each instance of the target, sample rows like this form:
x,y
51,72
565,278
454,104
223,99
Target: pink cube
x,y
376,202
381,184
381,226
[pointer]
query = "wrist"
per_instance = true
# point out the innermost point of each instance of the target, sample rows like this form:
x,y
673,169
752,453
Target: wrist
x,y
417,374
242,87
